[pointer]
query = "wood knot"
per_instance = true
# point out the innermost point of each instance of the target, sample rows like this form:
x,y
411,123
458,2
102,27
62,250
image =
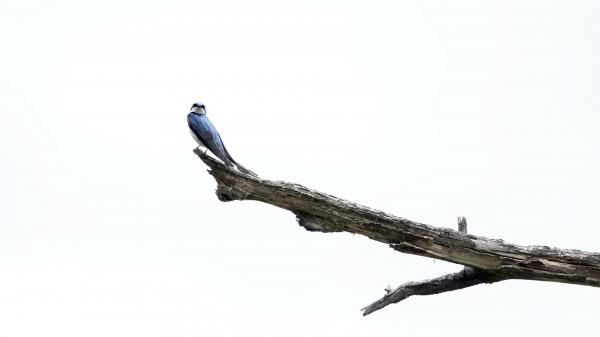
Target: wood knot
x,y
226,193
314,223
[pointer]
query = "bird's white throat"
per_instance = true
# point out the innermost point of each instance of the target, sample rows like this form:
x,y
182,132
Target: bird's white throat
x,y
198,110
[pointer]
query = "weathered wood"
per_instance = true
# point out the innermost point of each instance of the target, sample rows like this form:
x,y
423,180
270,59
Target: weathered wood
x,y
467,277
317,211
462,224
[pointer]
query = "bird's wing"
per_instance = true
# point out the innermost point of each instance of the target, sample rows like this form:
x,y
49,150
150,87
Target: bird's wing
x,y
208,134
225,149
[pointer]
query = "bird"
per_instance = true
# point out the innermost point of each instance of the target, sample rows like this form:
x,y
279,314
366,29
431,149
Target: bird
x,y
206,135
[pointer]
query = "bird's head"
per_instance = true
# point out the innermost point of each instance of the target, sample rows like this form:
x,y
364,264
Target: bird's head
x,y
198,108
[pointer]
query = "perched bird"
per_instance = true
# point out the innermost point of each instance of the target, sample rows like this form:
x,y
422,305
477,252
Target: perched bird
x,y
206,135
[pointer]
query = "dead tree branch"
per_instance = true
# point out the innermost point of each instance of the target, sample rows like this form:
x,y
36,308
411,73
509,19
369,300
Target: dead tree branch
x,y
488,260
467,277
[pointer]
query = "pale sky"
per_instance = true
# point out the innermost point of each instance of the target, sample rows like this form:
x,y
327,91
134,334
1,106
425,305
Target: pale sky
x,y
424,109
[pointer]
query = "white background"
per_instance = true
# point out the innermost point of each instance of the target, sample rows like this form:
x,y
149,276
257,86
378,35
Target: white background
x,y
425,109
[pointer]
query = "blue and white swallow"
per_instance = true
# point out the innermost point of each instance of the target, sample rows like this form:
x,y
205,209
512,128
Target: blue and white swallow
x,y
206,135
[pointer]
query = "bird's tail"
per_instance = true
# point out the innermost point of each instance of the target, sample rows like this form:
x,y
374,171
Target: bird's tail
x,y
242,169
228,162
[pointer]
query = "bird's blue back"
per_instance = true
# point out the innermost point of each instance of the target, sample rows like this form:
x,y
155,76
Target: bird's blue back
x,y
205,130
208,135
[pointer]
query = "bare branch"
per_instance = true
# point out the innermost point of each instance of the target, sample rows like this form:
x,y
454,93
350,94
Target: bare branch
x,y
465,278
317,211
